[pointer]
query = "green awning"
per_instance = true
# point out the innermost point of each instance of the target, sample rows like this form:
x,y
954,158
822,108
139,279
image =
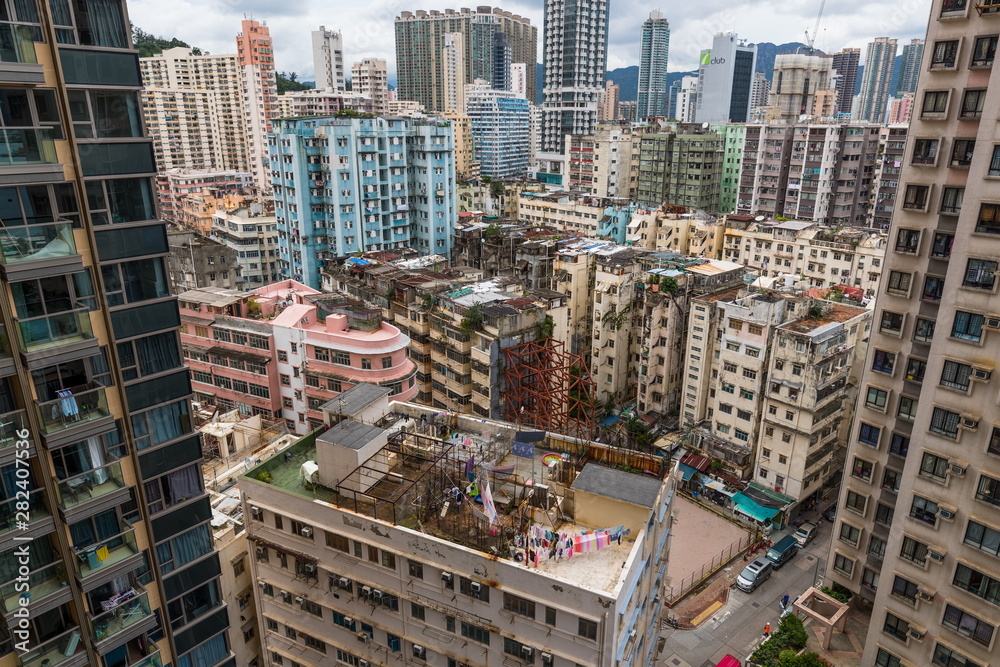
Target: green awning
x,y
747,505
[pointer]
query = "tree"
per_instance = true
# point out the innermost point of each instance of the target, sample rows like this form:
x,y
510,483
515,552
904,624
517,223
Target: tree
x,y
148,44
545,328
288,81
473,320
497,189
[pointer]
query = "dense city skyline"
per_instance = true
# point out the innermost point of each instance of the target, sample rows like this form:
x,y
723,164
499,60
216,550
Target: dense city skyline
x,y
848,24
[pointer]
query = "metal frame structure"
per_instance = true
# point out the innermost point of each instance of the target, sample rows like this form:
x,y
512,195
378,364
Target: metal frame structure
x,y
543,392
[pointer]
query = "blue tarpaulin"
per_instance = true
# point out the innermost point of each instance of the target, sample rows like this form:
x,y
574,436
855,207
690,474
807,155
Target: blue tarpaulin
x,y
687,471
523,449
747,505
609,420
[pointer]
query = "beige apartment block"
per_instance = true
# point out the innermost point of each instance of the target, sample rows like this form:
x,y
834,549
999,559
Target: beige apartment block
x,y
370,79
602,164
617,310
809,251
918,519
689,234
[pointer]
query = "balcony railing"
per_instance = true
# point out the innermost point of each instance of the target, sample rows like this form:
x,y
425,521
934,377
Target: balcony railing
x,y
41,583
10,424
22,146
152,660
125,613
89,486
36,242
15,514
55,651
113,550
51,331
76,406
16,44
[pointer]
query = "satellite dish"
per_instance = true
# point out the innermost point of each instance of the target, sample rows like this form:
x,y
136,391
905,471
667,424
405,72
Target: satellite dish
x,y
760,218
704,126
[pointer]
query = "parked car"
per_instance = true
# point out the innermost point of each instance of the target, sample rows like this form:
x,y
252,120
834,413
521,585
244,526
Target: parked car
x,y
782,551
754,574
806,533
729,661
831,513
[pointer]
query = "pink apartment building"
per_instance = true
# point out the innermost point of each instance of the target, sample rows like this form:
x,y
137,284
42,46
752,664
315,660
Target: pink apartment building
x,y
286,349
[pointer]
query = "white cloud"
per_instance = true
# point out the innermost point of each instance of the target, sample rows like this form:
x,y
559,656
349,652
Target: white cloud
x,y
368,26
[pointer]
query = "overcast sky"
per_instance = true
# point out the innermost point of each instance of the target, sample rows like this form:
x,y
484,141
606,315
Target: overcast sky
x,y
367,25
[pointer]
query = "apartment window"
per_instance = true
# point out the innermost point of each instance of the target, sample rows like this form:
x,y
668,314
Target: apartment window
x,y
961,154
983,538
907,241
899,445
925,151
895,626
338,542
933,288
849,534
869,579
856,502
945,422
550,616
417,611
904,589
876,546
907,408
898,283
972,108
934,467
743,414
843,565
967,326
587,629
862,469
947,657
994,169
474,589
519,605
924,509
885,659
935,104
869,434
876,398
945,53
883,361
342,358
989,219
386,362
282,355
980,273
967,625
749,374
891,323
890,480
388,559
953,6
984,51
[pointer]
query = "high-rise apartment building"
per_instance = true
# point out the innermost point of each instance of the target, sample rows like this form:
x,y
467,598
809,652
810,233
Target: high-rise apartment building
x,y
873,100
845,64
695,174
759,95
420,40
651,101
687,100
794,83
370,78
499,122
333,198
328,59
453,62
259,86
519,79
252,232
725,80
575,59
609,101
909,68
672,95
193,108
916,529
501,62
105,514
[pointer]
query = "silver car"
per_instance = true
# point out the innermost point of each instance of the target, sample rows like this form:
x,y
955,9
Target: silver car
x,y
754,574
806,533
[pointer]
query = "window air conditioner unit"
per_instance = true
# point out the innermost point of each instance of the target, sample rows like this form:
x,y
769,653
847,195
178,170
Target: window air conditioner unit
x,y
310,568
916,633
527,653
970,422
363,637
419,652
362,663
447,577
377,595
256,512
261,553
286,596
476,586
366,591
935,555
262,584
343,583
546,659
300,601
958,468
348,622
981,373
947,511
992,322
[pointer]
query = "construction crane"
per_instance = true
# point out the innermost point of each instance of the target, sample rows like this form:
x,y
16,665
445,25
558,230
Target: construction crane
x,y
810,41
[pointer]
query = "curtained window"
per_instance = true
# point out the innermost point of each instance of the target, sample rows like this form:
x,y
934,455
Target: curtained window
x,y
102,23
157,353
161,424
209,653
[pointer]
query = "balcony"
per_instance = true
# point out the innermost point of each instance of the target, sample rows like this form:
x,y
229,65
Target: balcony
x,y
34,243
10,424
80,490
152,660
119,613
42,583
14,513
51,331
64,650
27,146
104,555
75,407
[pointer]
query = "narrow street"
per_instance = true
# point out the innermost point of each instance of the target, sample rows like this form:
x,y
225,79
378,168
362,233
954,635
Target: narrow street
x,y
738,626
